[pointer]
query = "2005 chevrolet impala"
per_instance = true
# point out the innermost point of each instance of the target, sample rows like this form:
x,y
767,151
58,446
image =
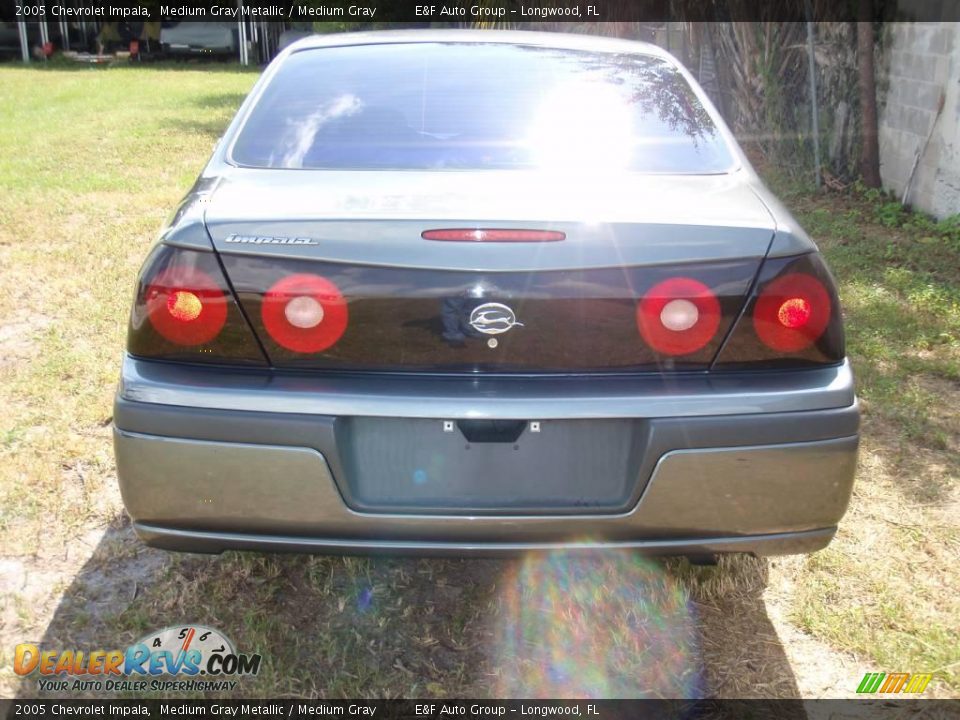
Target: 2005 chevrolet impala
x,y
472,291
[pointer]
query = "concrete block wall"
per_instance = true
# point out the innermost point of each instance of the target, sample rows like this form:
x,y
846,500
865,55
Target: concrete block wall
x,y
922,60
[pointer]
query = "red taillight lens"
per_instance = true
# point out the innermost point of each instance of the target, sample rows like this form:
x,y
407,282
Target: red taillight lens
x,y
186,306
304,313
792,312
184,311
678,316
492,235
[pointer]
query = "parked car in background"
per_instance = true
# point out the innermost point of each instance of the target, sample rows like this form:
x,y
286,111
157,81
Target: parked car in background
x,y
482,292
200,38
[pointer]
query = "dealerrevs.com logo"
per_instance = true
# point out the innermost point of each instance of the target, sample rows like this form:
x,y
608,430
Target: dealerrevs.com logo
x,y
185,658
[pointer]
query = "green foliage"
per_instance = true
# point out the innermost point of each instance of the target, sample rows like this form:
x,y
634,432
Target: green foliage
x,y
890,214
884,209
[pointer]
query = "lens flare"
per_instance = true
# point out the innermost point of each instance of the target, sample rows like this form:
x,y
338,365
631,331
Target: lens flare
x,y
582,126
365,600
595,624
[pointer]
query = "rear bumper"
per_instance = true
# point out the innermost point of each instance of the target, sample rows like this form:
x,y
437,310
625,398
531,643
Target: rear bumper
x,y
200,473
215,542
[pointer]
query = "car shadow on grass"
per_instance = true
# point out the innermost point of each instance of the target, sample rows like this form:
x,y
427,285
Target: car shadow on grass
x,y
568,624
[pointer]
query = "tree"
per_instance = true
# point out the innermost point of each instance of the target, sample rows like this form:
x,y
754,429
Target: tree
x,y
870,151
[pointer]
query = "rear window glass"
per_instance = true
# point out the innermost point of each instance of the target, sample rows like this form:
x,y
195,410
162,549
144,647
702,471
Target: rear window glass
x,y
437,106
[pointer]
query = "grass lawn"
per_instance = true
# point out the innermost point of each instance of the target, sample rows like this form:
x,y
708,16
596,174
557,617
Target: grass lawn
x,y
887,587
91,161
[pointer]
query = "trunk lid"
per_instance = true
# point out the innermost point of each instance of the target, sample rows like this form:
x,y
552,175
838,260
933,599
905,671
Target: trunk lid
x,y
376,218
434,306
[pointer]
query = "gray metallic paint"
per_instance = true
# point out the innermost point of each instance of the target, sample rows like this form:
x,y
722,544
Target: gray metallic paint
x,y
323,433
645,219
485,396
263,490
317,431
708,494
734,207
807,541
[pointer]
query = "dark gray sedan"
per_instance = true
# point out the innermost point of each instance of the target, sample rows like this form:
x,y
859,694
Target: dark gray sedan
x,y
481,292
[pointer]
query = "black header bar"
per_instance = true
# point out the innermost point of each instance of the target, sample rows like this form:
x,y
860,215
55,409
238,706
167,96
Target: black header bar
x,y
887,709
378,12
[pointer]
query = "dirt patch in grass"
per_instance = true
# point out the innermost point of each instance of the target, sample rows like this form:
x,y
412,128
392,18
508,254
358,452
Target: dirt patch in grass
x,y
17,338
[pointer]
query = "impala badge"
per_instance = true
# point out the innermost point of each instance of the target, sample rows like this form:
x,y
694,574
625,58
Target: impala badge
x,y
493,318
268,240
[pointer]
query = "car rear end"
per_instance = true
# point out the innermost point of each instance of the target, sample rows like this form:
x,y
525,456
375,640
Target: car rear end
x,y
388,319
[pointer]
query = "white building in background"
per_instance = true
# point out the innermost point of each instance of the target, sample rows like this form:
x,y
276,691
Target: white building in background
x,y
920,117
